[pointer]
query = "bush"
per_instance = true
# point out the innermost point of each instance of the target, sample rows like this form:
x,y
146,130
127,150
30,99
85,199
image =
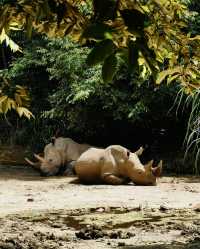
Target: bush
x,y
68,95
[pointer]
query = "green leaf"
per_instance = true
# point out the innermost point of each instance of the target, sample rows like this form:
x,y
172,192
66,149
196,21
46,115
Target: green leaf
x,y
97,31
105,10
99,53
133,19
109,68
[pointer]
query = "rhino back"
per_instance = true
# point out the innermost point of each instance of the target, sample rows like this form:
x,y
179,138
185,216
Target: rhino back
x,y
69,149
88,166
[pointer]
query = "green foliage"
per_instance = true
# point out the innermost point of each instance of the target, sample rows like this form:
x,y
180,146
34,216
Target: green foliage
x,y
97,31
192,139
109,68
100,52
193,19
66,93
133,19
86,104
155,26
13,97
137,43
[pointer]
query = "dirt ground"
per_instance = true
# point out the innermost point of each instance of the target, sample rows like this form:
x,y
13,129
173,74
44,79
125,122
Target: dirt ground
x,y
55,212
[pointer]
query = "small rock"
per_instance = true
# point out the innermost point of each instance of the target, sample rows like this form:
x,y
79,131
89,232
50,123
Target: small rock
x,y
163,208
130,234
183,232
197,207
56,225
30,199
121,244
100,210
114,235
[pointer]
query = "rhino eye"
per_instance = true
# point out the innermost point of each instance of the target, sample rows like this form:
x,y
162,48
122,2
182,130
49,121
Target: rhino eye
x,y
128,153
50,160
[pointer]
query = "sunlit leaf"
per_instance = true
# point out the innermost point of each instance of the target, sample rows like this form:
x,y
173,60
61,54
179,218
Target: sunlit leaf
x,y
2,99
162,75
22,111
9,42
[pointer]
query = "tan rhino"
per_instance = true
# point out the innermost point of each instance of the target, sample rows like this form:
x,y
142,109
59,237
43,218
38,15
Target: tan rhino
x,y
58,153
115,165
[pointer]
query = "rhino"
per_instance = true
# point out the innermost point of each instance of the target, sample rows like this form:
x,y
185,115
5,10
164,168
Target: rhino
x,y
57,154
115,165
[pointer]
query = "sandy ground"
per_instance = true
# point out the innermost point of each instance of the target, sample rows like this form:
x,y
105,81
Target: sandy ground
x,y
37,212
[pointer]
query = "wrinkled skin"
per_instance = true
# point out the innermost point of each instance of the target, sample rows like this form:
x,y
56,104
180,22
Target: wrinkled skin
x,y
115,165
57,154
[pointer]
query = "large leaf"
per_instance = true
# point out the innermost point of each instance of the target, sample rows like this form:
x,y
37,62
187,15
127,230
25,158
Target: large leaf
x,y
97,31
105,9
133,19
2,99
22,111
99,53
109,68
149,56
9,42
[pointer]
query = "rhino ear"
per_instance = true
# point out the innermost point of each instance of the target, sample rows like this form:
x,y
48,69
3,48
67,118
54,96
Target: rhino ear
x,y
157,171
53,139
118,154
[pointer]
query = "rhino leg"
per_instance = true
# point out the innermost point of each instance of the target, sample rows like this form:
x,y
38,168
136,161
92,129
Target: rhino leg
x,y
69,169
112,179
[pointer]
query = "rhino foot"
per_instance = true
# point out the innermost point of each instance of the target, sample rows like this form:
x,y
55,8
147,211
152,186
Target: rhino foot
x,y
112,179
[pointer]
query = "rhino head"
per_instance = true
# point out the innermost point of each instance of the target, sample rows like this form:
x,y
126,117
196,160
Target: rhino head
x,y
50,164
142,174
130,166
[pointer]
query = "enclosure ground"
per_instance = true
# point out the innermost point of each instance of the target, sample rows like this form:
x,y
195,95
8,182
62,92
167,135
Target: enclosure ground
x,y
56,212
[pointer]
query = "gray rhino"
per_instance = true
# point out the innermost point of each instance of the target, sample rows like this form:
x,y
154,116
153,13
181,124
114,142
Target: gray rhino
x,y
115,165
60,152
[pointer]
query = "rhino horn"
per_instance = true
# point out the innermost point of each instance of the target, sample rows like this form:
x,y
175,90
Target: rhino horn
x,y
157,170
149,165
41,159
36,165
139,151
